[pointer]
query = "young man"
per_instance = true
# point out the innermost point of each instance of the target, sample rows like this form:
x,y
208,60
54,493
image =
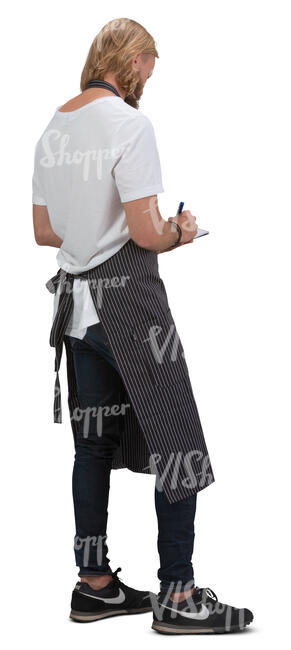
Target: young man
x,y
96,180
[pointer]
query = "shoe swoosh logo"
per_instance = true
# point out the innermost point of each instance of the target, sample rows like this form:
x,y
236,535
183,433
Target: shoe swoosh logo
x,y
197,616
117,600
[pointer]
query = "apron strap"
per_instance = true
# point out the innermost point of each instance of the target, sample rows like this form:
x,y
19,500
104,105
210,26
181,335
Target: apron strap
x,y
60,324
52,283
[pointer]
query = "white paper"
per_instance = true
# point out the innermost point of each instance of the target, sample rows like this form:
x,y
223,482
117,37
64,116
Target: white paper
x,y
201,232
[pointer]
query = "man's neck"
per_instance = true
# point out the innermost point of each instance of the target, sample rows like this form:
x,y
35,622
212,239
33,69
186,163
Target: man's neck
x,y
110,78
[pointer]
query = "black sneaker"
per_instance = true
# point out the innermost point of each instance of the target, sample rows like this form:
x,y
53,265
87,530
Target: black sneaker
x,y
116,598
199,614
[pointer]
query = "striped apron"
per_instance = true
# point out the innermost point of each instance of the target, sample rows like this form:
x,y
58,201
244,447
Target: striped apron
x,y
162,432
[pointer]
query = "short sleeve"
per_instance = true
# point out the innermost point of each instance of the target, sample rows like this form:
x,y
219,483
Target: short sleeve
x,y
37,190
138,171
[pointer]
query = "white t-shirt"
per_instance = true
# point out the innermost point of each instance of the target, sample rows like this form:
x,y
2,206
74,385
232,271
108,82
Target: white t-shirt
x,y
87,163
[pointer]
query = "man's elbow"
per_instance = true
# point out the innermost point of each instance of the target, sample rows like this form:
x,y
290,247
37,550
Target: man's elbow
x,y
40,238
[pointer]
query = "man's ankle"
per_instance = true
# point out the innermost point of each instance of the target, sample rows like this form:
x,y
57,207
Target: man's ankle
x,y
179,596
97,582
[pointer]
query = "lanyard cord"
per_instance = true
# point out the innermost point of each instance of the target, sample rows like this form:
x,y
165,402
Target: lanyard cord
x,y
96,83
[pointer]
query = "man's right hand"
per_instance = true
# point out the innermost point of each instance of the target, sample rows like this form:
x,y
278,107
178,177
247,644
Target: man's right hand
x,y
187,223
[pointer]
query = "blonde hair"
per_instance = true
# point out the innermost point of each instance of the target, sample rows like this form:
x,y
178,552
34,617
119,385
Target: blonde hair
x,y
113,50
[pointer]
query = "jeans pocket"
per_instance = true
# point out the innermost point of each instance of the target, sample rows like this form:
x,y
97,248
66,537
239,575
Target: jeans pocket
x,y
72,340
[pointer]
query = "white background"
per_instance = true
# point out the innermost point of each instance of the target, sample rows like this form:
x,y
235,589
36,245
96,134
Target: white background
x,y
219,101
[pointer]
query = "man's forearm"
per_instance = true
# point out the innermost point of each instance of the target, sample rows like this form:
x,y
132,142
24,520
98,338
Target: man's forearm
x,y
164,240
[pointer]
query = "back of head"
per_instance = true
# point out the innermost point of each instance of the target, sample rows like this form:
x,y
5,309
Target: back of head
x,y
113,50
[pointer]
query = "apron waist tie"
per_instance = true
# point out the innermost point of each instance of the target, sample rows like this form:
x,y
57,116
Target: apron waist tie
x,y
60,323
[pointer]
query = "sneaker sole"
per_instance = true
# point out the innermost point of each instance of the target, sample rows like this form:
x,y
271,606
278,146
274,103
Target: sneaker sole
x,y
167,628
86,617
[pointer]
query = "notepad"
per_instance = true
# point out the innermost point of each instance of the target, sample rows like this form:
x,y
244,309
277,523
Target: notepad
x,y
201,232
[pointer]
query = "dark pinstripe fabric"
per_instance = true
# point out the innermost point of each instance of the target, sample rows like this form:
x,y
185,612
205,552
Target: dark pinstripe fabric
x,y
162,432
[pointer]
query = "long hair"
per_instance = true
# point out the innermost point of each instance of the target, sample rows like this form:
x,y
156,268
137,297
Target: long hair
x,y
113,50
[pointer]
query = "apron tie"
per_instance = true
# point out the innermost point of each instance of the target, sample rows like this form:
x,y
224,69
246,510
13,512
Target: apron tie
x,y
60,324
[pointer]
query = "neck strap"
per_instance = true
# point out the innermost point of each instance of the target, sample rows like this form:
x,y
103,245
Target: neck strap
x,y
96,83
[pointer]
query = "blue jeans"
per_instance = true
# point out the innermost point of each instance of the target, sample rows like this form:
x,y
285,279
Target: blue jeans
x,y
102,402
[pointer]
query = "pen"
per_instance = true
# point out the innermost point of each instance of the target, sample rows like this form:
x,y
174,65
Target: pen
x,y
180,208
